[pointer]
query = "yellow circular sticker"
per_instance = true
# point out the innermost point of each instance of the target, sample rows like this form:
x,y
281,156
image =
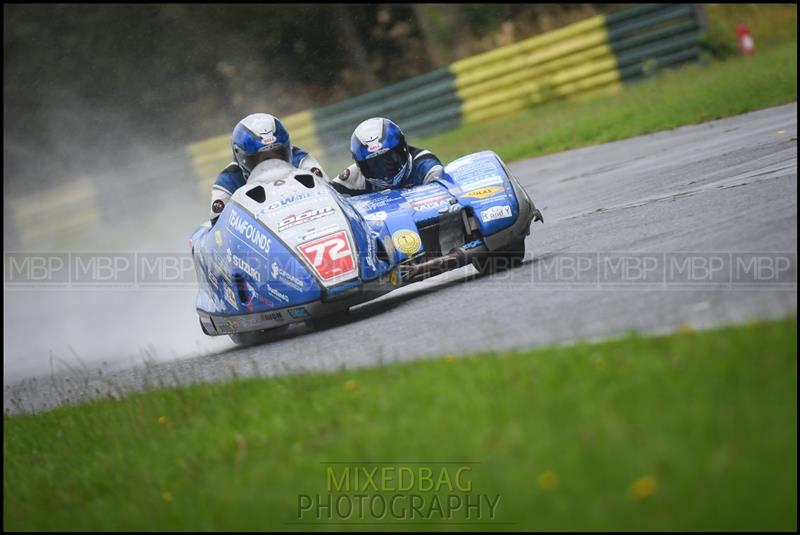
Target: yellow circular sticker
x,y
407,241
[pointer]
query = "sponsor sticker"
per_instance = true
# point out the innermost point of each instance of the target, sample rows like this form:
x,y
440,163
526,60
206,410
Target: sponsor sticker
x,y
495,212
272,316
298,313
267,138
345,174
312,233
475,169
407,241
219,263
248,231
242,264
280,274
482,193
481,183
218,238
217,206
377,216
230,297
377,200
292,198
370,258
430,203
212,279
330,255
312,214
277,294
374,146
463,161
478,203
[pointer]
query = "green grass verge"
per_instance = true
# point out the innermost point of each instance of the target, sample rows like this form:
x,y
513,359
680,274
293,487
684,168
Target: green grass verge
x,y
695,430
673,98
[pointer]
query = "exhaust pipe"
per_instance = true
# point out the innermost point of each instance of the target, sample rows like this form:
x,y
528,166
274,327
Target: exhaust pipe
x,y
456,258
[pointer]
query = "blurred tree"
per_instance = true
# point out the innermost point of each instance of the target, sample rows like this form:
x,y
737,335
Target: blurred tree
x,y
90,86
353,45
443,27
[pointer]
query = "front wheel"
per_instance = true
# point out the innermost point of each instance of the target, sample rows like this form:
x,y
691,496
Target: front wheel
x,y
507,257
263,336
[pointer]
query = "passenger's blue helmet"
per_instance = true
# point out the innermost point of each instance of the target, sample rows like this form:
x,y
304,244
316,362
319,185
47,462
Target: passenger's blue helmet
x,y
259,137
380,151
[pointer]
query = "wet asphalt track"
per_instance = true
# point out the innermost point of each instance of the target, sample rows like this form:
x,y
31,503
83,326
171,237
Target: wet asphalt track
x,y
719,190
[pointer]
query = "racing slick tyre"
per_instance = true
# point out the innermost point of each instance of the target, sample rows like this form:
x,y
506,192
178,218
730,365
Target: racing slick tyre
x,y
258,337
507,257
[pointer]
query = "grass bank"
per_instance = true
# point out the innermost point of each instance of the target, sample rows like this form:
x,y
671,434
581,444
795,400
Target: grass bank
x,y
695,430
672,98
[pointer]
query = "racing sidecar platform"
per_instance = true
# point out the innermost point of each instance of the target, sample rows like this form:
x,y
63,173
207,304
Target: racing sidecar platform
x,y
289,248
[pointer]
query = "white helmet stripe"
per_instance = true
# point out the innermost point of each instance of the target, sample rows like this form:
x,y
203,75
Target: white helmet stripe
x,y
370,130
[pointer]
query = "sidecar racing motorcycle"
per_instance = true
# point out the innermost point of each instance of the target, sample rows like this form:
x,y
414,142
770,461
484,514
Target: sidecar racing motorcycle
x,y
293,249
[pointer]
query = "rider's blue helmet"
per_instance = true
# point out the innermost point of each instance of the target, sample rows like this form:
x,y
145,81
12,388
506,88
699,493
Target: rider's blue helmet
x,y
259,137
380,151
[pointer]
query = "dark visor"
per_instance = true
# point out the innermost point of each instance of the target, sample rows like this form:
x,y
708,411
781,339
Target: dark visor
x,y
387,165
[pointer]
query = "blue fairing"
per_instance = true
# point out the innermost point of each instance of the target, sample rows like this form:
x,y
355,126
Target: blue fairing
x,y
365,236
478,182
484,187
390,212
247,269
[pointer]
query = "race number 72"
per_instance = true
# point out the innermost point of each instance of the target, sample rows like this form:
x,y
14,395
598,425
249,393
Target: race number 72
x,y
331,255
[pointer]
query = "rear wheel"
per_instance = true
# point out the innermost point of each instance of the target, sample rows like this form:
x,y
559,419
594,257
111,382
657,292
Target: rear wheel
x,y
263,336
498,260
